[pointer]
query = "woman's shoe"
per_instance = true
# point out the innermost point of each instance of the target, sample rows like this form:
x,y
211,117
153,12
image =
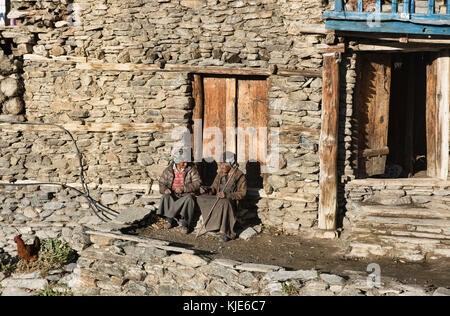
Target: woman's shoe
x,y
223,238
168,225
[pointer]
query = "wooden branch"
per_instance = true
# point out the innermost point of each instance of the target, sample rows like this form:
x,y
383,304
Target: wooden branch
x,y
328,147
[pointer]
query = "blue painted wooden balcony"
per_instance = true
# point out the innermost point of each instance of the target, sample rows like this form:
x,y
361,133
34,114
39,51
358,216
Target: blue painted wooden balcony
x,y
427,17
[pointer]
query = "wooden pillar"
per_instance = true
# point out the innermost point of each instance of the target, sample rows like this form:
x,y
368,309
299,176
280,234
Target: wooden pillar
x,y
328,147
438,86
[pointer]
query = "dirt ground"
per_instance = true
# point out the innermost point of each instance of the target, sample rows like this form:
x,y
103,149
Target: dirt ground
x,y
297,253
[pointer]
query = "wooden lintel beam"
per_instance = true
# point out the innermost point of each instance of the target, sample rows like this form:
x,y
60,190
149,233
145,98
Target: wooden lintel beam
x,y
83,63
95,127
325,49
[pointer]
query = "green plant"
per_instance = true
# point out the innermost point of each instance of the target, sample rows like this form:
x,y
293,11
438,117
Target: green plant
x,y
7,268
289,289
50,291
55,254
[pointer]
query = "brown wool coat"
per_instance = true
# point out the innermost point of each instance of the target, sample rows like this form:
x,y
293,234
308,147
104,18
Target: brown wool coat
x,y
236,190
192,180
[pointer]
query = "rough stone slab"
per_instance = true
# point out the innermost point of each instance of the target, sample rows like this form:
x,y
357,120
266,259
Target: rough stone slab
x,y
280,276
189,260
227,263
253,267
14,291
442,292
30,284
32,275
332,279
132,215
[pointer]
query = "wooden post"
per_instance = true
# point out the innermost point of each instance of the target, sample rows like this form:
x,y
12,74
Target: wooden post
x,y
438,85
328,147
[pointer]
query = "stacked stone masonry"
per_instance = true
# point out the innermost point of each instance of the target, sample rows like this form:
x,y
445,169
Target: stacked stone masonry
x,y
82,64
57,39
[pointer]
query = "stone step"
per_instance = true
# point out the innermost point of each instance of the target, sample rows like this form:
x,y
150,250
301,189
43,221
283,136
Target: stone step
x,y
362,211
380,231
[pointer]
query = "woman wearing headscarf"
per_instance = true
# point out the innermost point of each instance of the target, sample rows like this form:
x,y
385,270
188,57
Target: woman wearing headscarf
x,y
178,184
220,204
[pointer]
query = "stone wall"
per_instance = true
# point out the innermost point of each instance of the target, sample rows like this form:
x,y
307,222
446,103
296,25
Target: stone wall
x,y
112,266
62,42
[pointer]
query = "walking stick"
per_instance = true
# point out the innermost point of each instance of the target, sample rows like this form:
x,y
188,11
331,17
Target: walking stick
x,y
205,221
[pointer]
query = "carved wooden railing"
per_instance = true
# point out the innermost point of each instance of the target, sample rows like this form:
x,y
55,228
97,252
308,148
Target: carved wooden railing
x,y
394,16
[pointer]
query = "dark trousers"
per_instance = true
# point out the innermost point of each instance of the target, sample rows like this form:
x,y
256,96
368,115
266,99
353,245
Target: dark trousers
x,y
179,208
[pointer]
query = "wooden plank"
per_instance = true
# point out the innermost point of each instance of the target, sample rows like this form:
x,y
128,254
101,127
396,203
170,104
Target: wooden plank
x,y
407,6
443,103
142,240
360,6
214,124
373,96
338,5
300,72
431,6
95,127
431,118
339,48
375,152
426,20
253,104
231,115
328,144
197,117
424,28
443,89
379,120
394,6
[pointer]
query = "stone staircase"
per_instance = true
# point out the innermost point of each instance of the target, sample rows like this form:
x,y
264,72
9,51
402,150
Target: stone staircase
x,y
404,232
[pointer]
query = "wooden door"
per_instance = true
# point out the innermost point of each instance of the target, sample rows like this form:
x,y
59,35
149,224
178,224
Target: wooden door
x,y
234,112
373,96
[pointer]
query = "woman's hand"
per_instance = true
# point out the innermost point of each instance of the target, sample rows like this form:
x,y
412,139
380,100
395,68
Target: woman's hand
x,y
167,191
202,191
221,195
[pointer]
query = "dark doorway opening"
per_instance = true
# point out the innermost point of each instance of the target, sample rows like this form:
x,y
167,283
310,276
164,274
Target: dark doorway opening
x,y
407,117
391,105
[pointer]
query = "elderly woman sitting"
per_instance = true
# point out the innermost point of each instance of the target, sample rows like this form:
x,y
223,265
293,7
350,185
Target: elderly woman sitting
x,y
178,184
220,204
